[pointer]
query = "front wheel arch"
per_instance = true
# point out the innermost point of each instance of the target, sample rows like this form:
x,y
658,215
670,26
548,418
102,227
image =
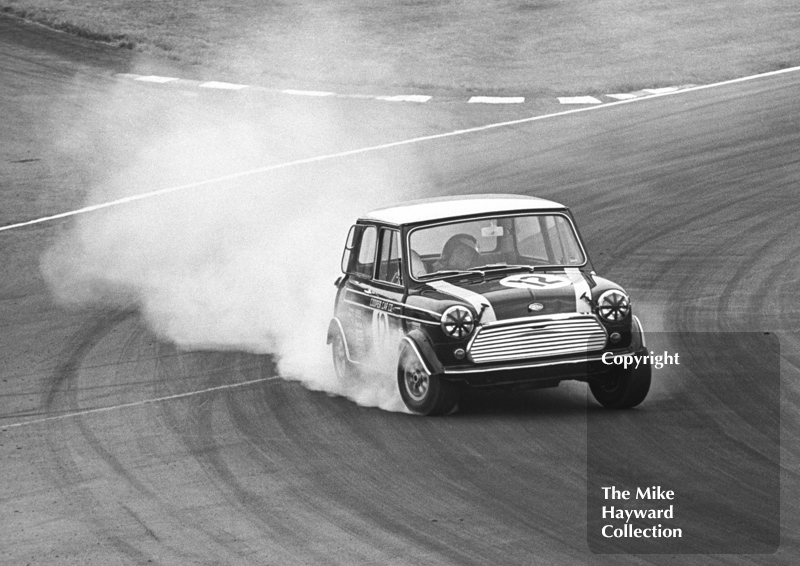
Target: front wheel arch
x,y
423,392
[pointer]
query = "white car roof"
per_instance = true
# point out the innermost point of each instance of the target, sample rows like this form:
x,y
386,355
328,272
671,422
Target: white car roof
x,y
443,208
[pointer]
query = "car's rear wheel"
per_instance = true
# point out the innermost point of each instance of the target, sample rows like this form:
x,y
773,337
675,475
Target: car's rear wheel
x,y
423,393
623,388
345,369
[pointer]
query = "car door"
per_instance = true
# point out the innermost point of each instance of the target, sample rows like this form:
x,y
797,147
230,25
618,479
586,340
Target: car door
x,y
353,307
387,293
371,304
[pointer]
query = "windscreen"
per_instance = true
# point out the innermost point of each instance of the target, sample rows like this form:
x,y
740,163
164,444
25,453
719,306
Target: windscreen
x,y
525,240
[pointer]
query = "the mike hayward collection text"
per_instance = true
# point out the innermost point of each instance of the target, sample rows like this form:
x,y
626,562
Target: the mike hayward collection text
x,y
620,513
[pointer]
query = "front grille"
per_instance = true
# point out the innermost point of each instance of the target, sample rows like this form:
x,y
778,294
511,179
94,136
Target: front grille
x,y
537,337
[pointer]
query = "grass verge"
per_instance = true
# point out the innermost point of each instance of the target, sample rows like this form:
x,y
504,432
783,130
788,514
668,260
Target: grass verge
x,y
523,47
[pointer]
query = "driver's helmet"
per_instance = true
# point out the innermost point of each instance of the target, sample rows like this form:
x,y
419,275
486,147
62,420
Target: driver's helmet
x,y
459,252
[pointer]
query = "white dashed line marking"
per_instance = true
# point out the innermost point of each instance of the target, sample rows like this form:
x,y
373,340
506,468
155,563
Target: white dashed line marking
x,y
496,100
308,92
663,90
405,98
418,98
579,100
649,92
222,86
156,79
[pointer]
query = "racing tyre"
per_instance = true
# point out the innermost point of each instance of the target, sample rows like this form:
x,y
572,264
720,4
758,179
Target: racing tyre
x,y
345,369
623,388
423,393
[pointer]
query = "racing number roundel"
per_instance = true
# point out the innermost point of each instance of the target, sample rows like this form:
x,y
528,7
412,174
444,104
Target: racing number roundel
x,y
535,281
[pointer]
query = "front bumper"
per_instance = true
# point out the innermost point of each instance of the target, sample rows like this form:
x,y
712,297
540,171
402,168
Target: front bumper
x,y
580,368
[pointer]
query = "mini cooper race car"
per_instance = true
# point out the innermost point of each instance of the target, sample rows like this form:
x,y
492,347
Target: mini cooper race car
x,y
476,292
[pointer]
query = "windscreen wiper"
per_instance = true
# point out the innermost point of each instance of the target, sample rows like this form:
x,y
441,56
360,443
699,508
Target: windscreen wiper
x,y
504,267
451,273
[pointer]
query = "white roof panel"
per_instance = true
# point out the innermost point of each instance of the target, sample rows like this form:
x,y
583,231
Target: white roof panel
x,y
442,208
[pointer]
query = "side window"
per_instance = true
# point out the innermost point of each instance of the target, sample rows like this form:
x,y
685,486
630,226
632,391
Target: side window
x,y
365,261
359,251
389,268
347,255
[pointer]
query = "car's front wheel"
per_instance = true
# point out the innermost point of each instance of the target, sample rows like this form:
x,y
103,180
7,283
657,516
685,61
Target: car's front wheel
x,y
423,393
623,388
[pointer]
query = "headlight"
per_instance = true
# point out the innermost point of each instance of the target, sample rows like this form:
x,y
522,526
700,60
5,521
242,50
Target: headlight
x,y
458,322
613,306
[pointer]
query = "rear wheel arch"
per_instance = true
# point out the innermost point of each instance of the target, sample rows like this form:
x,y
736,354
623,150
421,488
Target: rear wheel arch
x,y
345,368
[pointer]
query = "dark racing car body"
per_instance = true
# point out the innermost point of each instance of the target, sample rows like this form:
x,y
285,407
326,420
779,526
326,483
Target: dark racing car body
x,y
478,292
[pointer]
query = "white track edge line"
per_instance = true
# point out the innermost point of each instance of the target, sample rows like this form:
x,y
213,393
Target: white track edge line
x,y
3,428
348,153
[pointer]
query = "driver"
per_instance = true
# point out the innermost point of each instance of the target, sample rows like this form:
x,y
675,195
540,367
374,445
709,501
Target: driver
x,y
460,252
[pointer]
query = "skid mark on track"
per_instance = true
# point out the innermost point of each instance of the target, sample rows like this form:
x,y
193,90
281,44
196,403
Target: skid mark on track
x,y
70,478
130,507
139,520
78,348
94,440
74,353
185,424
140,403
766,278
196,428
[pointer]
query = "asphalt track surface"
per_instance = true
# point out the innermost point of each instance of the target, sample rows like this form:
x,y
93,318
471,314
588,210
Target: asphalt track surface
x,y
690,201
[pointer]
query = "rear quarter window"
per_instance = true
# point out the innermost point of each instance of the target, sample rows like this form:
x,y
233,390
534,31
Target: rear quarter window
x,y
364,265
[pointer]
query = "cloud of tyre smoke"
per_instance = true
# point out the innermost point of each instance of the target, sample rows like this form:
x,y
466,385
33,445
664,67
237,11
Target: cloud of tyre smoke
x,y
242,265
